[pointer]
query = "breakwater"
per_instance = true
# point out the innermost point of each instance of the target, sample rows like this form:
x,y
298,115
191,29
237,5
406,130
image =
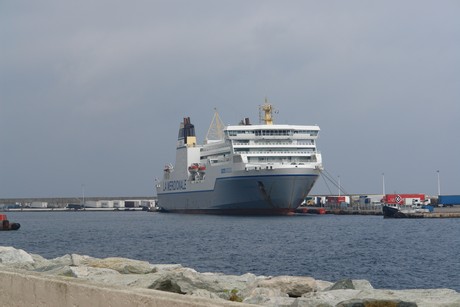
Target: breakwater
x,y
79,280
326,247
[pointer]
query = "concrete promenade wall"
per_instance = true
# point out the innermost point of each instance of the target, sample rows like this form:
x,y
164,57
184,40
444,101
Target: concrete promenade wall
x,y
22,290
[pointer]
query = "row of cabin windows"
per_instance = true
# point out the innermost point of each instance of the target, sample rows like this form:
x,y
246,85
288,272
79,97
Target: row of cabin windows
x,y
273,142
270,151
272,132
281,159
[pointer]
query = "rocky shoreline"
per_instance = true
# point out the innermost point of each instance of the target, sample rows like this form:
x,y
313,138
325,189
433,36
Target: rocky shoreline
x,y
295,291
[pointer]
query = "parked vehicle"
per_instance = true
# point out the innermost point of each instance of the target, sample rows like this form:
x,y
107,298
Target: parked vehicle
x,y
448,200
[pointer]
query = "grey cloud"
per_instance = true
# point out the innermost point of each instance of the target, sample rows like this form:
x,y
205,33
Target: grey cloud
x,y
92,91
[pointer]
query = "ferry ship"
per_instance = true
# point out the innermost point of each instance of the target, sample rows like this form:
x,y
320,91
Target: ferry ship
x,y
263,168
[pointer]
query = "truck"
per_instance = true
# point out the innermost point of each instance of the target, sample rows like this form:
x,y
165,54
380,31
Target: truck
x,y
406,199
448,200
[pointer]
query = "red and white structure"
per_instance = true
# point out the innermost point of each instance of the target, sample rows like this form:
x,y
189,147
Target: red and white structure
x,y
406,199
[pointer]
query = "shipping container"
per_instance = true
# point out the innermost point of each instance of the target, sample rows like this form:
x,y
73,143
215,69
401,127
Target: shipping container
x,y
118,204
370,199
92,204
75,206
106,204
337,199
448,200
38,204
132,203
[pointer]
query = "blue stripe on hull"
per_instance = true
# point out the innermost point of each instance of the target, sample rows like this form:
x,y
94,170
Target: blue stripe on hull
x,y
243,195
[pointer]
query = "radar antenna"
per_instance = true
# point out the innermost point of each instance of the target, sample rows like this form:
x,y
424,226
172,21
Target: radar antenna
x,y
216,129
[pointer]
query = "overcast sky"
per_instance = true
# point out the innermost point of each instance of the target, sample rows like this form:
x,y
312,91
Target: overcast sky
x,y
92,92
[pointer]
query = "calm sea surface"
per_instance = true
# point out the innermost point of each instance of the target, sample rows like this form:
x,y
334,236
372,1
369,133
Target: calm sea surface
x,y
390,253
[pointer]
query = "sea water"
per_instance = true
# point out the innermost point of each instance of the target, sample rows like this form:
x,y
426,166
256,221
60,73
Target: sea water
x,y
390,253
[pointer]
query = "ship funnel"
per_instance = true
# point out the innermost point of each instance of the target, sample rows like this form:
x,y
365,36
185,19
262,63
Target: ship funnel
x,y
187,132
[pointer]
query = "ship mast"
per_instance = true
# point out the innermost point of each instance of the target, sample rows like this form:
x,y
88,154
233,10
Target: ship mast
x,y
267,109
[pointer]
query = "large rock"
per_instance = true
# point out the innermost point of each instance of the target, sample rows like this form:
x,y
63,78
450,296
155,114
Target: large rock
x,y
362,284
423,298
112,277
342,284
325,298
187,281
39,260
73,260
322,285
91,273
293,286
268,297
60,265
57,270
207,294
165,267
184,282
375,303
170,284
231,282
18,258
122,265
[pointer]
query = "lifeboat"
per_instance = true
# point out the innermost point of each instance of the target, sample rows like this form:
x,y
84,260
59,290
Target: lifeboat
x,y
6,225
202,168
193,168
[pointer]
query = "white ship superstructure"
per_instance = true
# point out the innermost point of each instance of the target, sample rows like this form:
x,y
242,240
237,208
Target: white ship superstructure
x,y
241,169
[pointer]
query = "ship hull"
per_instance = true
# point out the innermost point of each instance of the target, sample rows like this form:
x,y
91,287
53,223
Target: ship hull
x,y
263,194
392,212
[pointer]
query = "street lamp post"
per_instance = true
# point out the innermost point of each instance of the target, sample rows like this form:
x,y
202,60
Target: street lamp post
x,y
439,184
83,194
383,183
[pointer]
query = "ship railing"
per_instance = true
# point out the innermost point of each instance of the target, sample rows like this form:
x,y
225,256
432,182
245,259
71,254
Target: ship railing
x,y
276,145
275,153
283,164
282,158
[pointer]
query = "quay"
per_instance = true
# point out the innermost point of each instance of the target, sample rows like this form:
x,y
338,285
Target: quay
x,y
120,203
148,203
62,201
354,212
70,209
443,206
431,215
439,212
